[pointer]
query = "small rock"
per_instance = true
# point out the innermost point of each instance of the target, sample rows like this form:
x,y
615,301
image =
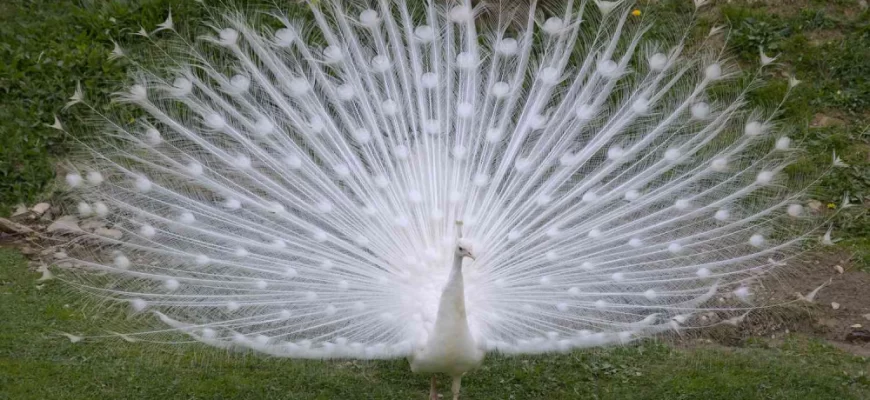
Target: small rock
x,y
855,326
27,250
866,316
838,268
835,305
40,208
67,223
60,255
859,335
109,233
814,205
19,210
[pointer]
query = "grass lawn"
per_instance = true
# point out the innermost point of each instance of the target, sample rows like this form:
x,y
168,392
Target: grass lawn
x,y
48,45
37,363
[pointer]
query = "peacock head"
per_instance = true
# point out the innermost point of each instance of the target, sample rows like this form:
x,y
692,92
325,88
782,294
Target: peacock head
x,y
464,248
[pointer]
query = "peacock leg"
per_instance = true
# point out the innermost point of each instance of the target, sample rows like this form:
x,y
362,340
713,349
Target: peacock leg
x,y
457,380
433,390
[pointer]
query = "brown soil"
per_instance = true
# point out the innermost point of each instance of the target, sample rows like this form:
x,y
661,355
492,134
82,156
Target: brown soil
x,y
849,290
823,36
839,309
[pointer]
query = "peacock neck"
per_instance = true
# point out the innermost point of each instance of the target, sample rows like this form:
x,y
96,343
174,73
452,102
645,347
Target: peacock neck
x,y
451,310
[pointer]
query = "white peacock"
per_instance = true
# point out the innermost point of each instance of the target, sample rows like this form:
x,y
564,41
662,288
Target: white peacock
x,y
296,191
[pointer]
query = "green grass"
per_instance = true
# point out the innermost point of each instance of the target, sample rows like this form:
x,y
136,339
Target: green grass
x,y
826,44
37,363
48,45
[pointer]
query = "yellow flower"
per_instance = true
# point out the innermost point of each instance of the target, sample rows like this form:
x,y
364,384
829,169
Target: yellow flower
x,y
832,206
636,13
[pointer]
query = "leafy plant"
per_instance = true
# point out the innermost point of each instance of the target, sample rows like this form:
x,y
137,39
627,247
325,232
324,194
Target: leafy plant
x,y
752,33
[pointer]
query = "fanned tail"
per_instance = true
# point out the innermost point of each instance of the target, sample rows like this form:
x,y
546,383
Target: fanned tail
x,y
293,191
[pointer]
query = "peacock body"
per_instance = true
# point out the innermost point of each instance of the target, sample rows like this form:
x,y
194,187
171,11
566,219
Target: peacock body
x,y
296,191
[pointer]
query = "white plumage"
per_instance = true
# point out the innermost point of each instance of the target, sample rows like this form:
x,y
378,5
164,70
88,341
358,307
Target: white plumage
x,y
295,191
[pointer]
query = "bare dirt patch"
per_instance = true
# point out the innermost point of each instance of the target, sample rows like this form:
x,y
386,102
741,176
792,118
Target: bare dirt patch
x,y
823,36
824,297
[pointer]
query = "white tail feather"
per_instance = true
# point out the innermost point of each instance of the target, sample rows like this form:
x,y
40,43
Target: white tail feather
x,y
298,199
